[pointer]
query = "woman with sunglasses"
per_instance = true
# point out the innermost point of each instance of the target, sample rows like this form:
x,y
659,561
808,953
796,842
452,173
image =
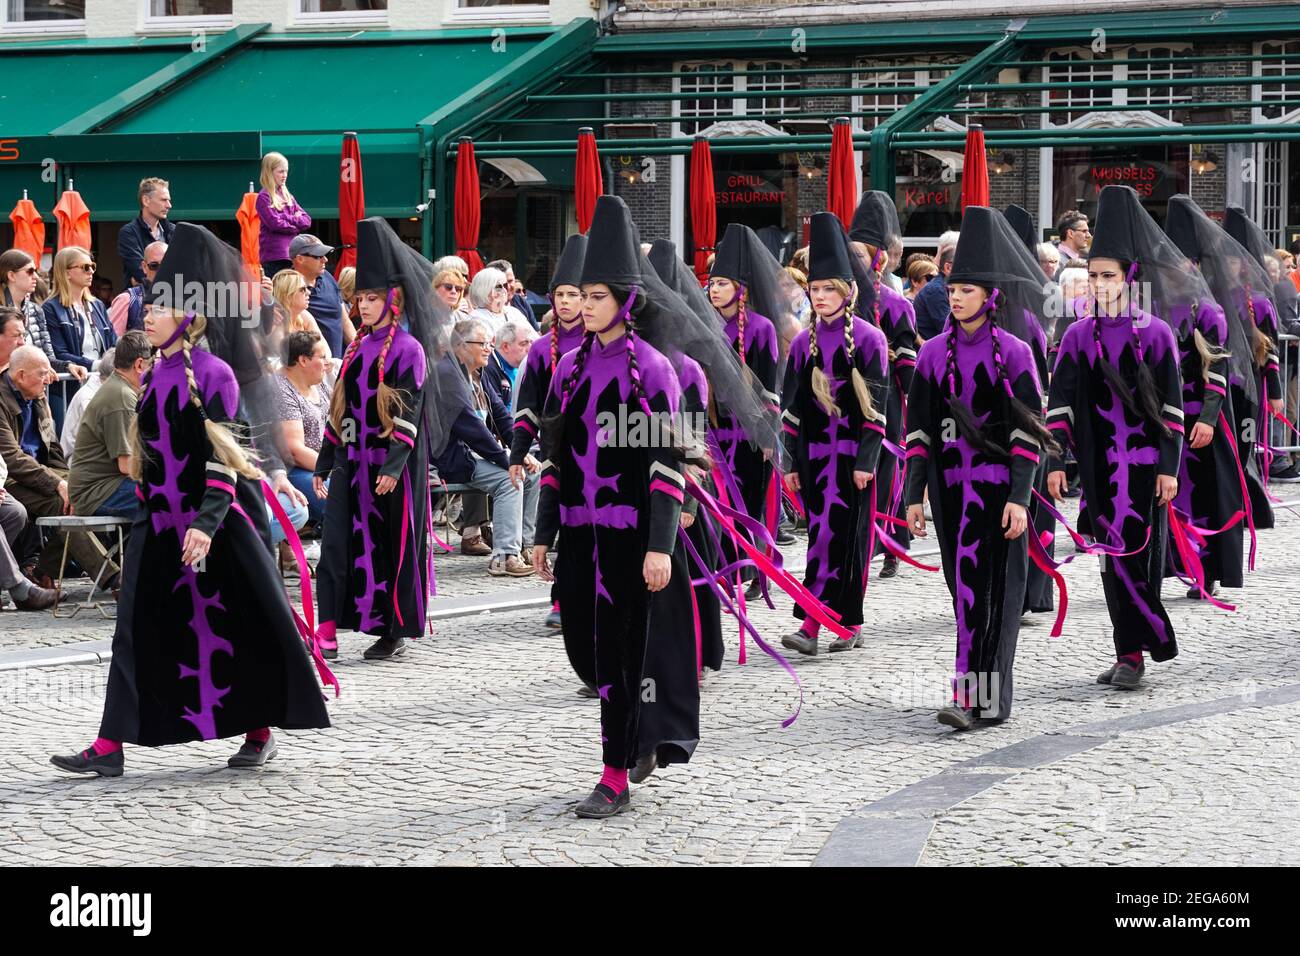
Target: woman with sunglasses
x,y
19,278
489,294
80,331
450,286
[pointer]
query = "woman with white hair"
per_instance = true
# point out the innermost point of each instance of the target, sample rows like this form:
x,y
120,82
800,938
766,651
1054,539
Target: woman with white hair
x,y
489,294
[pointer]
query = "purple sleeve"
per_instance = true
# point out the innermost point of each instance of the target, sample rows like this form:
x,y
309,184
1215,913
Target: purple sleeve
x,y
284,220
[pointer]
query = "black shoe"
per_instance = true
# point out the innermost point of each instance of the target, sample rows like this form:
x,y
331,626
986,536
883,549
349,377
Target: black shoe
x,y
385,648
1211,588
603,803
801,642
1108,675
841,644
586,690
754,591
784,536
889,568
644,767
962,718
1286,473
553,620
1126,676
254,753
106,765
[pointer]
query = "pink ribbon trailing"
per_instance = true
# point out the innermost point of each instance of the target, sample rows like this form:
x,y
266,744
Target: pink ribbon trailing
x,y
1241,478
306,622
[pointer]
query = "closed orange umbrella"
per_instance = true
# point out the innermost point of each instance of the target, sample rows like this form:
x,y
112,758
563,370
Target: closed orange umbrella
x,y
73,217
250,225
29,228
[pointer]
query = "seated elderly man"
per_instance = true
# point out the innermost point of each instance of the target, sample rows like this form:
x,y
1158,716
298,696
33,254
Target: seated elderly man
x,y
13,524
38,472
476,456
502,370
100,481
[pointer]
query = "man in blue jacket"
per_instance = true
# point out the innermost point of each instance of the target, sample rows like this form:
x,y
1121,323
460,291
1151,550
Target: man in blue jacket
x,y
931,303
150,226
474,456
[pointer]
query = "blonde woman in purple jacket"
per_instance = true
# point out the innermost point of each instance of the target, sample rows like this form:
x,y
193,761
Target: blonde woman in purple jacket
x,y
281,216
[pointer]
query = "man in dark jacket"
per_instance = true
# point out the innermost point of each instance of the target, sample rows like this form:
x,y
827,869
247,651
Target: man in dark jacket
x,y
475,457
38,472
931,303
150,226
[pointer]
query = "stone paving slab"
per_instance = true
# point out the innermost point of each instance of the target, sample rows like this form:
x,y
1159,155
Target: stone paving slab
x,y
473,748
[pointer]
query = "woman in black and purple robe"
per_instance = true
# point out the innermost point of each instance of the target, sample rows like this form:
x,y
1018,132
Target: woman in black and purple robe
x,y
833,417
1257,398
206,645
743,281
975,441
873,232
614,500
1116,398
376,570
544,355
1209,482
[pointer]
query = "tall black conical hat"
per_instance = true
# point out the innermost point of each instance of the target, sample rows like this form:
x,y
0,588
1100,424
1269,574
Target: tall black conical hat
x,y
191,274
661,255
731,261
613,250
380,263
976,259
1023,223
875,221
1180,225
1114,236
828,249
568,269
1237,224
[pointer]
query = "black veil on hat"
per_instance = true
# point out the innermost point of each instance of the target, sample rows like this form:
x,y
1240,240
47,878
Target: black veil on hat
x,y
568,269
202,275
1126,232
875,221
991,254
666,320
1022,223
1248,233
1220,259
742,257
384,261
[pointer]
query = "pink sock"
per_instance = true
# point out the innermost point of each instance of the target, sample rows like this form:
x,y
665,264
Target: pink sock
x,y
103,745
259,736
614,778
810,627
555,606
1135,658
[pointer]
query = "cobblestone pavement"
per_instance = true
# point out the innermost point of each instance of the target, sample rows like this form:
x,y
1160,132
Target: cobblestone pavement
x,y
473,748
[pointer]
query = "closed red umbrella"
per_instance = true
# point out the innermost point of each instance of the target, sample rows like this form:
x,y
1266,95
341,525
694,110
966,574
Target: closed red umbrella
x,y
588,183
975,169
842,180
467,206
250,227
704,208
352,201
29,229
73,217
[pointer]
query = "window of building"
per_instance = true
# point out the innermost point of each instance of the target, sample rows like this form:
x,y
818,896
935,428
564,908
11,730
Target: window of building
x,y
190,8
44,16
1284,100
499,10
718,78
1076,66
891,102
352,11
1140,66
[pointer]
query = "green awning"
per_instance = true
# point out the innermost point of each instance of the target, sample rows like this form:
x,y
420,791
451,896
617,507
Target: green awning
x,y
298,91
